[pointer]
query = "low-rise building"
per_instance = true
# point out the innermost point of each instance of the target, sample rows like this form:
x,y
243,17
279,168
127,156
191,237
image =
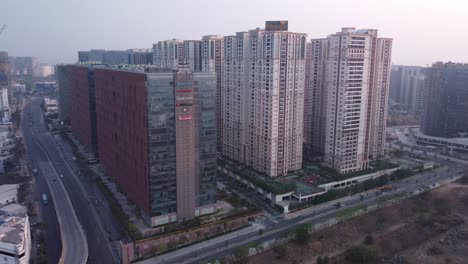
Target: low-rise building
x,y
50,106
7,144
8,194
15,235
45,87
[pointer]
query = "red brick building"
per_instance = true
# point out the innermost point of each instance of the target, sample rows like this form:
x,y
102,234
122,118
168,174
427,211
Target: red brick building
x,y
82,108
123,132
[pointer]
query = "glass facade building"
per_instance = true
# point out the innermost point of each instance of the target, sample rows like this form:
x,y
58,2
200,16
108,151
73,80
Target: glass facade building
x,y
446,100
158,139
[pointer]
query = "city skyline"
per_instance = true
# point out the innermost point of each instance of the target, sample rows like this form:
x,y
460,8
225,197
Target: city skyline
x,y
412,28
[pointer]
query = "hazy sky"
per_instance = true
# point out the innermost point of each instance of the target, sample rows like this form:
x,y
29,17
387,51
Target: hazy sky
x,y
424,31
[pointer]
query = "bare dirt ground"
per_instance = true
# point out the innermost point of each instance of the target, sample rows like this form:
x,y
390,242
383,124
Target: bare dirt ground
x,y
428,229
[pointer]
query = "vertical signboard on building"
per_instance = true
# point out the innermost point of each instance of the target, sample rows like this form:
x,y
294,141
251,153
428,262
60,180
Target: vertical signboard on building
x,y
185,143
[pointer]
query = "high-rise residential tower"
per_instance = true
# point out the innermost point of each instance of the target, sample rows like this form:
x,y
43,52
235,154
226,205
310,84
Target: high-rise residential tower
x,y
349,80
315,99
157,137
446,100
212,54
407,86
192,54
263,98
168,54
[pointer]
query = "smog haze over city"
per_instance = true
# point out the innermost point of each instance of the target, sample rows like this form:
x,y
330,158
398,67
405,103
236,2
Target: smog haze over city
x,y
233,131
424,30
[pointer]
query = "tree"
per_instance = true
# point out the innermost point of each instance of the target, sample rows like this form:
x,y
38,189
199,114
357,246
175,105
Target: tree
x,y
241,254
302,233
323,260
441,206
160,247
280,250
369,240
361,255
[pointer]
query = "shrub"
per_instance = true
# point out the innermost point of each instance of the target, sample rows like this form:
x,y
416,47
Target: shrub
x,y
361,255
302,233
280,251
369,240
323,260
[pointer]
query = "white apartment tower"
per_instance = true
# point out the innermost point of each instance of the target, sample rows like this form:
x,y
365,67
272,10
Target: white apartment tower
x,y
379,99
212,54
192,54
263,98
315,98
352,68
168,54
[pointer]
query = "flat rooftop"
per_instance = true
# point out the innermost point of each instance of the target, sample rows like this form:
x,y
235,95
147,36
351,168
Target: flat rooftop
x,y
13,219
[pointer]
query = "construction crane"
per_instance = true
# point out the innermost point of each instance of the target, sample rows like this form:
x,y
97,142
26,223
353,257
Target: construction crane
x,y
2,28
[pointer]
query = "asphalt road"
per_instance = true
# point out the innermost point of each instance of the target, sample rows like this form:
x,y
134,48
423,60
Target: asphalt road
x,y
107,226
101,245
47,212
313,215
73,240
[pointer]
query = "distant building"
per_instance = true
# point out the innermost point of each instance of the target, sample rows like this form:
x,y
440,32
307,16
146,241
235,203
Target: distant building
x,y
407,86
23,66
168,54
45,87
192,54
15,234
115,57
17,87
44,71
4,105
140,56
262,99
7,145
83,56
446,100
95,56
157,137
4,68
83,105
347,98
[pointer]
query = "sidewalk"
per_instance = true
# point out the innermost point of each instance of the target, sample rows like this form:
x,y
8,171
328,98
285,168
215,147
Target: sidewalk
x,y
343,200
112,187
199,246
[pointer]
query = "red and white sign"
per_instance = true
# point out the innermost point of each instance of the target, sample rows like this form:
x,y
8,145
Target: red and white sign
x,y
185,117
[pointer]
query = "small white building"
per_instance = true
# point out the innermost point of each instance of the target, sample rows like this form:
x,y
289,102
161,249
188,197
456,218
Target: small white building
x,y
15,234
8,194
4,106
50,106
